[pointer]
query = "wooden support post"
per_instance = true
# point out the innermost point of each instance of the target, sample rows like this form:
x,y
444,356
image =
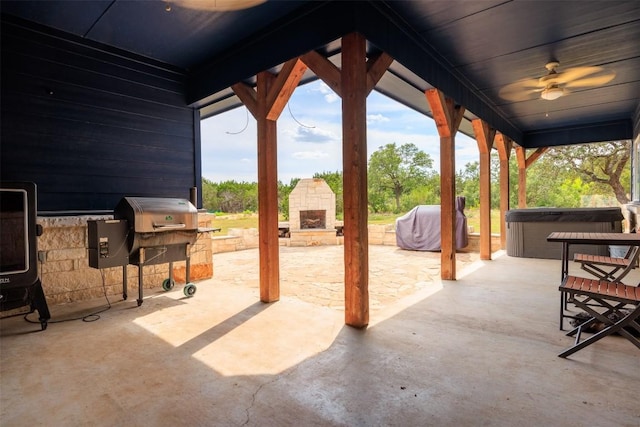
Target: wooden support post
x,y
484,137
265,104
504,145
268,246
447,116
353,83
354,159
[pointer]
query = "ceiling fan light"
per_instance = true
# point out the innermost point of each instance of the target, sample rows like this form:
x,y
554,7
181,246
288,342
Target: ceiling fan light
x,y
551,93
217,5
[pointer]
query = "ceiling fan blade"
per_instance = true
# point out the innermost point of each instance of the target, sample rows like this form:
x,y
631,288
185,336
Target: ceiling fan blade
x,y
519,94
520,90
576,73
592,81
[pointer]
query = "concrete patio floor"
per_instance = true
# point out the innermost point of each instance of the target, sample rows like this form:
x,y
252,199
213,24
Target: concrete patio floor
x,y
481,350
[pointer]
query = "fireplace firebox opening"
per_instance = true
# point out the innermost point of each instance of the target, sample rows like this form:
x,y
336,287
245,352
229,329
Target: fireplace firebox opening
x,y
313,219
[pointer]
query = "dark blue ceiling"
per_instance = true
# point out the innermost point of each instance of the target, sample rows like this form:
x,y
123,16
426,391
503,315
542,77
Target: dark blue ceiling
x,y
468,49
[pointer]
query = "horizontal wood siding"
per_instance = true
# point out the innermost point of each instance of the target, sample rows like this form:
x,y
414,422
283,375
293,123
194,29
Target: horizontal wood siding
x,y
90,125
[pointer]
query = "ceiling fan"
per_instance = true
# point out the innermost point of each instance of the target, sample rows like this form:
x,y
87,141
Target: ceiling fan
x,y
556,83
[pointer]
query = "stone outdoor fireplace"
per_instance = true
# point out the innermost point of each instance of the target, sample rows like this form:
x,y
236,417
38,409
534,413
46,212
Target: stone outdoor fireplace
x,y
312,213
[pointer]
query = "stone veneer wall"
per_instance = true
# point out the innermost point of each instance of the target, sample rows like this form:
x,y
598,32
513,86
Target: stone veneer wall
x,y
67,277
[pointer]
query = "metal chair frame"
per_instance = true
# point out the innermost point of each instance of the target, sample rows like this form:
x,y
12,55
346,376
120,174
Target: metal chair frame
x,y
595,264
610,297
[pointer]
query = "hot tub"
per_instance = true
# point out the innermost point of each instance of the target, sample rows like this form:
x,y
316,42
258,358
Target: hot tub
x,y
527,229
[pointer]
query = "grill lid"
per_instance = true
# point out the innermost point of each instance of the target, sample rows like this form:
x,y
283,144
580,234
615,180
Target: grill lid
x,y
157,214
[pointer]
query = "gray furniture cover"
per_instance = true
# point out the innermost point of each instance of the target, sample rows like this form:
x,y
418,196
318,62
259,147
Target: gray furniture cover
x,y
419,229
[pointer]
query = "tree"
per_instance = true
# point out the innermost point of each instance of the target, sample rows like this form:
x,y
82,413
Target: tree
x,y
395,171
468,183
334,181
229,196
545,177
427,194
606,165
209,194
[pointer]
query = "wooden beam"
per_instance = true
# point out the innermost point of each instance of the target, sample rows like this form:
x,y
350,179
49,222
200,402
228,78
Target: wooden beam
x,y
376,67
324,69
535,156
521,157
457,114
354,159
283,87
484,137
448,117
504,145
330,74
248,97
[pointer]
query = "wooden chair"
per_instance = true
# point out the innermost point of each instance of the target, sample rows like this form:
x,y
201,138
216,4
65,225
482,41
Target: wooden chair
x,y
609,268
612,269
600,299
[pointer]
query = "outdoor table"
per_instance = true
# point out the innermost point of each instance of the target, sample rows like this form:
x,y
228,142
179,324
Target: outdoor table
x,y
590,238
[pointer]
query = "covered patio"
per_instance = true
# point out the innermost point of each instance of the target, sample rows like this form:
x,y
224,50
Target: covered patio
x,y
478,351
103,99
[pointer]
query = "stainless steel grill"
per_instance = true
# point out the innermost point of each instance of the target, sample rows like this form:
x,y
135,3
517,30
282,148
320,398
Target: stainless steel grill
x,y
157,221
160,230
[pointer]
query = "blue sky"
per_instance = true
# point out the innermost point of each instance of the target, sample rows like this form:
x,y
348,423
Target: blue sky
x,y
310,136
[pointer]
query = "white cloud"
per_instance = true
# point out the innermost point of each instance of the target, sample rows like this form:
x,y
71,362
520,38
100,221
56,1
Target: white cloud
x,y
329,95
310,155
373,119
314,135
331,98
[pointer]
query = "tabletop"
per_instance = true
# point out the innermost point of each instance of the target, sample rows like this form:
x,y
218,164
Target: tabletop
x,y
593,238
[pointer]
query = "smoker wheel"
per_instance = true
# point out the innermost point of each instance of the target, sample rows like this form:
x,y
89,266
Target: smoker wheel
x,y
168,284
189,289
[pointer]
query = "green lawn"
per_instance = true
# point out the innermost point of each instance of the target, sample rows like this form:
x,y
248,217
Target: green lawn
x,y
225,222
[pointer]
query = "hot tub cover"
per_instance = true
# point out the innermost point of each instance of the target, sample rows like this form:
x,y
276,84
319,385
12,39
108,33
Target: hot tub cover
x,y
564,215
419,229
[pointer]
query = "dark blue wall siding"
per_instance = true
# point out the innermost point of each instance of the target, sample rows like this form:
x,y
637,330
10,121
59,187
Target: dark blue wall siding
x,y
90,125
